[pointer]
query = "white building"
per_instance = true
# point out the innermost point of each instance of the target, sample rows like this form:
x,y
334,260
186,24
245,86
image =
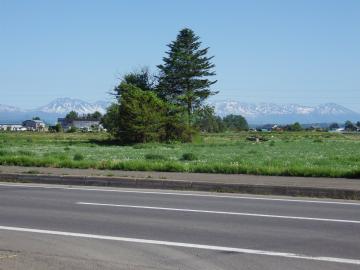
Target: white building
x,y
12,127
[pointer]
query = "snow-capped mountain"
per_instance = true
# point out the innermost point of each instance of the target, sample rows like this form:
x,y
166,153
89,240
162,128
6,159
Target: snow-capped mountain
x,y
261,113
285,113
65,105
50,112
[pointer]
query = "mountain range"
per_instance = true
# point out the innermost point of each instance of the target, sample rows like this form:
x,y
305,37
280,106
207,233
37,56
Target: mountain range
x,y
50,112
261,113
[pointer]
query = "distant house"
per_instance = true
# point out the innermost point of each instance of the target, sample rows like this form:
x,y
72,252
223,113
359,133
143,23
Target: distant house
x,y
12,127
84,125
276,128
34,125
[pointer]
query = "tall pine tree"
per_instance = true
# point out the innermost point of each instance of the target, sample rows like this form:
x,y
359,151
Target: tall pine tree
x,y
184,74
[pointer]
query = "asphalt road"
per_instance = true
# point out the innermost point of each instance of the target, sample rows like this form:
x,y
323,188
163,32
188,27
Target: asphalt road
x,y
56,227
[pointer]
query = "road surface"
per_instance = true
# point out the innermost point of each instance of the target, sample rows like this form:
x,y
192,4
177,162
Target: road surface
x,y
57,227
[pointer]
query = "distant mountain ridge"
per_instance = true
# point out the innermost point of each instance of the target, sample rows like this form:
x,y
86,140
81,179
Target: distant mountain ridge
x,y
65,105
53,110
285,113
260,113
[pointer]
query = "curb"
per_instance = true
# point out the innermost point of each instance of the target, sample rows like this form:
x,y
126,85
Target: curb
x,y
128,182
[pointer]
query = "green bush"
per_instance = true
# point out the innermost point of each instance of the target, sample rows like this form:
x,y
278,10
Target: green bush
x,y
72,130
189,157
78,157
155,157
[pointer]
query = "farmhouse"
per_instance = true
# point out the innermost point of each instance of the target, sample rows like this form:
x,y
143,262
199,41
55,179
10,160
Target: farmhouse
x,y
34,125
84,125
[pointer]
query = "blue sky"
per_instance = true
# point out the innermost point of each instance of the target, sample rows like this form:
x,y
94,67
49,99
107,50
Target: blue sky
x,y
305,52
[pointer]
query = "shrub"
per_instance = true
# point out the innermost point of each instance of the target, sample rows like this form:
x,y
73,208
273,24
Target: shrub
x,y
155,157
72,130
189,157
78,157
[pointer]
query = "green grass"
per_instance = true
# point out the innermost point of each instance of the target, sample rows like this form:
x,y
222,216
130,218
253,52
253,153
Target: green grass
x,y
297,154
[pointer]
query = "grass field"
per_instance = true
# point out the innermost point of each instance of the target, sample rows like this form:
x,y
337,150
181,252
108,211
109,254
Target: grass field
x,y
297,154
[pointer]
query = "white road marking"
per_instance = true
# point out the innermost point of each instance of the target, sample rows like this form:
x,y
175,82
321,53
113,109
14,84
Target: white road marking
x,y
180,193
185,245
218,212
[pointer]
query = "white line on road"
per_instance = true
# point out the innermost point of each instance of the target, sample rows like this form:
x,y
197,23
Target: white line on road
x,y
218,212
120,190
185,245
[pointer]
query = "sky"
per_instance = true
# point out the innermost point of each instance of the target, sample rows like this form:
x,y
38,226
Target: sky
x,y
298,51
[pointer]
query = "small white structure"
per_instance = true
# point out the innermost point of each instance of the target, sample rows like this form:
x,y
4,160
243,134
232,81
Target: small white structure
x,y
12,127
340,130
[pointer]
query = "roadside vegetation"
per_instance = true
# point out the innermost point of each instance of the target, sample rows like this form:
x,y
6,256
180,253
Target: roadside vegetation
x,y
264,153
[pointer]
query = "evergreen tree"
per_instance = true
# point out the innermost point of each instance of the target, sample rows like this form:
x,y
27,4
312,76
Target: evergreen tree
x,y
110,120
140,115
183,78
142,79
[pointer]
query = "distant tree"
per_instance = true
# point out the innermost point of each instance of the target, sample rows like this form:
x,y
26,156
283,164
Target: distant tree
x,y
296,127
207,121
142,79
36,118
96,115
183,78
72,115
235,122
72,129
58,128
110,120
334,126
358,124
349,126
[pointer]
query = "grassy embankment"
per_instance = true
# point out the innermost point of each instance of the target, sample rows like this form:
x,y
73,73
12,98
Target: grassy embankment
x,y
297,154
